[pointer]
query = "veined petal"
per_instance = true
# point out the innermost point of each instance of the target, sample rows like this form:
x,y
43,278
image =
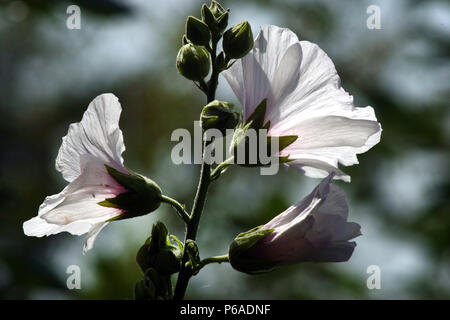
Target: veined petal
x,y
316,223
301,209
251,77
82,195
76,209
333,139
335,252
315,167
98,134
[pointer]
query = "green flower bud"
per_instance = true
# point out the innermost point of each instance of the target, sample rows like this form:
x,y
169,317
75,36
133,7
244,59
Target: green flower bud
x,y
238,252
221,23
219,115
193,62
197,31
143,195
238,40
158,252
207,16
216,20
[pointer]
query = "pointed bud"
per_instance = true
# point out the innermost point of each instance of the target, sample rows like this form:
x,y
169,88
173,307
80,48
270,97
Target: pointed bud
x,y
216,9
197,31
143,196
207,16
221,23
193,62
217,21
238,40
238,252
218,115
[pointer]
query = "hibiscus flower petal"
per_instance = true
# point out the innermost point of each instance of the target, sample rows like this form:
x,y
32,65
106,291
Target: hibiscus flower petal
x,y
98,134
251,77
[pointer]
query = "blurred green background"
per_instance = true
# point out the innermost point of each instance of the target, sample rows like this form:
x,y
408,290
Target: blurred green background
x,y
399,192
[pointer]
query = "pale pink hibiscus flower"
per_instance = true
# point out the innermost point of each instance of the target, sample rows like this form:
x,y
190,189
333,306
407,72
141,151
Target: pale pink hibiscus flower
x,y
89,145
305,99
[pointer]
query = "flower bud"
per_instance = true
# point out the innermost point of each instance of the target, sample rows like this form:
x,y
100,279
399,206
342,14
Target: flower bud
x,y
313,230
242,244
216,9
158,252
238,40
215,17
197,31
143,196
218,115
193,62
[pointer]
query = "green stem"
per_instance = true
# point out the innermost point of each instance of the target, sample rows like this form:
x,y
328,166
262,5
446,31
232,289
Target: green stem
x,y
214,259
200,197
178,207
218,170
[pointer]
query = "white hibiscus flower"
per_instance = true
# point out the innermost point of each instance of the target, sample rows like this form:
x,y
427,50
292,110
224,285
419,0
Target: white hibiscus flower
x,y
305,99
90,159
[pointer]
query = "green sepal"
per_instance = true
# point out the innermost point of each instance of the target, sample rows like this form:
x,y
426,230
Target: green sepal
x,y
143,196
222,22
184,40
239,249
216,9
283,141
256,119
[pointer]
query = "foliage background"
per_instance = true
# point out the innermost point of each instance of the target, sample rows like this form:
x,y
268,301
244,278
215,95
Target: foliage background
x,y
399,192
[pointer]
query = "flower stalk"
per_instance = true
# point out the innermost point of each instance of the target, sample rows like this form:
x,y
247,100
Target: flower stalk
x,y
200,198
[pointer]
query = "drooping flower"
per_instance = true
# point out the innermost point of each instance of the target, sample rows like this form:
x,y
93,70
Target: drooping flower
x,y
100,188
304,98
313,230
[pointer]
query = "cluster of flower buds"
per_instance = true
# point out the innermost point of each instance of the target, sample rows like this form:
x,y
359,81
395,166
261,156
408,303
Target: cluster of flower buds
x,y
158,258
193,59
